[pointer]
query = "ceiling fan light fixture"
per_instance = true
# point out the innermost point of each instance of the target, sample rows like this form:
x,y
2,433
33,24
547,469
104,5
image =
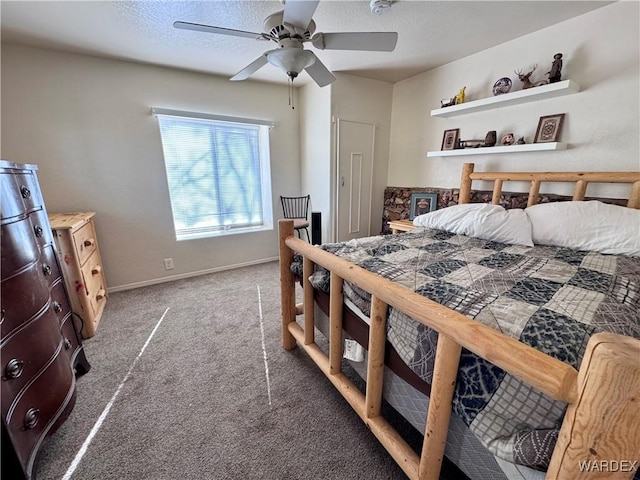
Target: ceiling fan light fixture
x,y
291,60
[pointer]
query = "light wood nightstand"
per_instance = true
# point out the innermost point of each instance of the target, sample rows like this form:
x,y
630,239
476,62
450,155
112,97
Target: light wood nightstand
x,y
398,226
77,247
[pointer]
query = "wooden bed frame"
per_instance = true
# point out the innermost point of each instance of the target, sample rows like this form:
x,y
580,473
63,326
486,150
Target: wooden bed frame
x,y
602,422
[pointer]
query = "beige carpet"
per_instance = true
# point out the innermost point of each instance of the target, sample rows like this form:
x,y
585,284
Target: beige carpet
x,y
189,381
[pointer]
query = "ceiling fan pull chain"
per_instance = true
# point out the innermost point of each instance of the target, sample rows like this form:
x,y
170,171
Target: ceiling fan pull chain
x,y
291,97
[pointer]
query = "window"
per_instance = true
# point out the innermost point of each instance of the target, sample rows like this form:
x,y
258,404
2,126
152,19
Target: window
x,y
218,173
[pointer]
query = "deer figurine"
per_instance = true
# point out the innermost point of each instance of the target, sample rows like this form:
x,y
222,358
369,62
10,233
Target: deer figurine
x,y
524,78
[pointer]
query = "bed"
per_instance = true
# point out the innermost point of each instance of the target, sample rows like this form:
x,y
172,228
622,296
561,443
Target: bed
x,y
534,346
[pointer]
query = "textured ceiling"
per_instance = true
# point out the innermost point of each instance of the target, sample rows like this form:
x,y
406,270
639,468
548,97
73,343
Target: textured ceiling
x,y
431,33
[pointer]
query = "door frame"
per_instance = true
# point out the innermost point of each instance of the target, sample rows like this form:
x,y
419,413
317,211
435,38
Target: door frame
x,y
336,176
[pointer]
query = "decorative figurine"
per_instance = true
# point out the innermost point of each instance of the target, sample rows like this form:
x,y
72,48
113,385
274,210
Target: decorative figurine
x,y
471,143
447,102
490,139
503,85
520,141
556,67
524,78
458,99
508,139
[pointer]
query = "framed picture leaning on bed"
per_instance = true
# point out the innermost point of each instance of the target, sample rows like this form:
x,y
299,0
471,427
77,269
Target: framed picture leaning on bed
x,y
422,203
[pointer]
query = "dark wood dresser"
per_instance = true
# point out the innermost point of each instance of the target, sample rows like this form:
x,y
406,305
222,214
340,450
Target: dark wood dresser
x,y
40,348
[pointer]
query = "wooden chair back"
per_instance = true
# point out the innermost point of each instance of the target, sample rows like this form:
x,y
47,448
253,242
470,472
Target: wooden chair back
x,y
295,207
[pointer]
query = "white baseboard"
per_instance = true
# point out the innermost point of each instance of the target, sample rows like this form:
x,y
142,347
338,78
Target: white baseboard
x,y
155,281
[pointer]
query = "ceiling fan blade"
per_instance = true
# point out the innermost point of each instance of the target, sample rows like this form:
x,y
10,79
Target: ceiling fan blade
x,y
299,12
211,29
250,69
320,74
367,41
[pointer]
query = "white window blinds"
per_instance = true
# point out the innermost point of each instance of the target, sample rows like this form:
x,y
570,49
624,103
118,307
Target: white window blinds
x,y
218,175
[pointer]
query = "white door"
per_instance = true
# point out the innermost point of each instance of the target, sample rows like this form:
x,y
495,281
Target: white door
x,y
355,142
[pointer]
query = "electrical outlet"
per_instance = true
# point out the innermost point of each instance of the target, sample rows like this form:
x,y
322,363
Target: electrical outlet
x,y
168,263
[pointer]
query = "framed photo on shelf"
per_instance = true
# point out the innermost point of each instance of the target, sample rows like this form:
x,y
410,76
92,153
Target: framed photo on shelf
x,y
450,139
549,128
422,203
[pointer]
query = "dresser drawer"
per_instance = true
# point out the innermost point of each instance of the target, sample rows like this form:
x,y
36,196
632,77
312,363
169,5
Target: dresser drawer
x,y
26,292
27,185
11,205
24,296
85,242
20,194
19,247
40,227
34,413
20,365
59,305
70,342
93,278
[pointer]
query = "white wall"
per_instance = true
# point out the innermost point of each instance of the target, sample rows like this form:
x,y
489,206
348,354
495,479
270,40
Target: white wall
x,y
315,148
85,122
601,54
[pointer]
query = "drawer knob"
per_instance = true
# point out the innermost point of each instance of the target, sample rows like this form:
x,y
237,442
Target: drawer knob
x,y
46,269
100,295
67,344
57,307
14,368
96,270
38,230
89,242
25,192
31,417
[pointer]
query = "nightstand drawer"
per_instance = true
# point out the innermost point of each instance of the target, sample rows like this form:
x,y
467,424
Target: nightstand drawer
x,y
85,241
94,281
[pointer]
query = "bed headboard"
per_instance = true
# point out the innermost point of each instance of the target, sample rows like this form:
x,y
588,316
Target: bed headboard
x,y
581,180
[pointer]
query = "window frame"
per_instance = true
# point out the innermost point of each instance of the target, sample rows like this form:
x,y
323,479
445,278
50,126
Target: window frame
x,y
264,167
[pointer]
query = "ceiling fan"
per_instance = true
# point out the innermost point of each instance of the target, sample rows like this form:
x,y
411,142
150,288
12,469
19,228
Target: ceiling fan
x,y
291,28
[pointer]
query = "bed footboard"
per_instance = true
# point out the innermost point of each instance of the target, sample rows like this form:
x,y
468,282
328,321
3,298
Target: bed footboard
x,y
600,432
599,437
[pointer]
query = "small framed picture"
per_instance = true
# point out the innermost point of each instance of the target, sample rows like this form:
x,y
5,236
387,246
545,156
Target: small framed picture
x,y
450,139
422,203
549,128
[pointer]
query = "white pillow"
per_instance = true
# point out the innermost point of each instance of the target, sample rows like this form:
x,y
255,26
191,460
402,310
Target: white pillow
x,y
592,226
481,220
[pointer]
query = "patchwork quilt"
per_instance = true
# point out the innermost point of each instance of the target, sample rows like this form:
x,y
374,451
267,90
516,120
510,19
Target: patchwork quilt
x,y
550,298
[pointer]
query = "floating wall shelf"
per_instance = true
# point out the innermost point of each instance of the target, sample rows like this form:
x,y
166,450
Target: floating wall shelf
x,y
527,147
565,87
